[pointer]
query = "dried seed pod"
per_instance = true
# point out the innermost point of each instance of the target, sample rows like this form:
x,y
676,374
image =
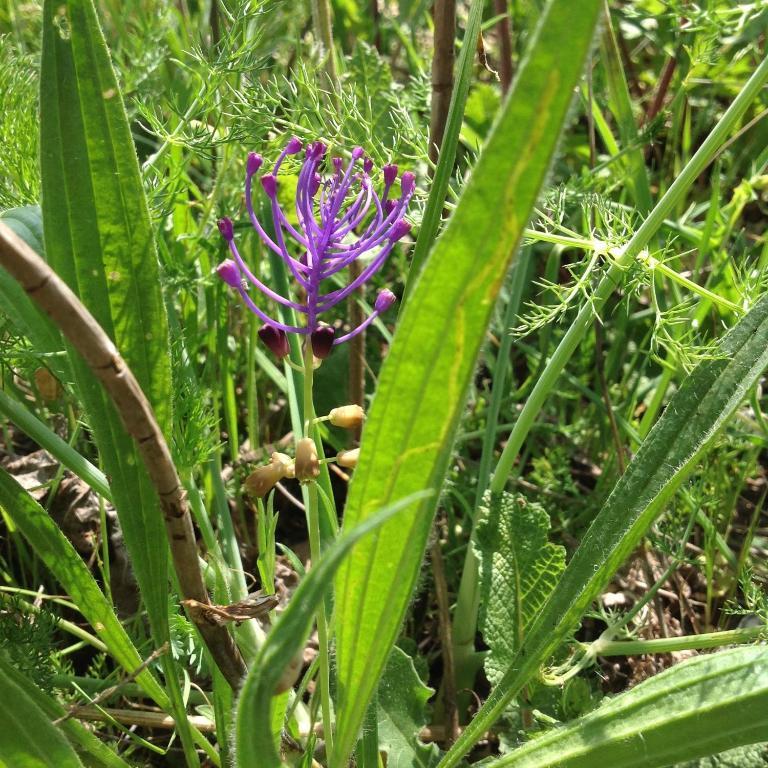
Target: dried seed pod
x,y
347,416
307,464
348,459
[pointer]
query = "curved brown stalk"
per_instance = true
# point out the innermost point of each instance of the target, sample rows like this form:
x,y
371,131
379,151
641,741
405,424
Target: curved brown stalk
x,y
442,72
77,324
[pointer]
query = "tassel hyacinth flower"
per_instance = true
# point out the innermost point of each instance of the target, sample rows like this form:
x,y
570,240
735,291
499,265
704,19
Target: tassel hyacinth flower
x,y
341,219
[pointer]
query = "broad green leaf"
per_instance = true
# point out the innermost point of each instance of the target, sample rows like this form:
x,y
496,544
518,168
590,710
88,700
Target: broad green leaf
x,y
23,313
99,239
402,700
749,756
412,424
691,421
704,705
519,569
93,751
258,699
28,739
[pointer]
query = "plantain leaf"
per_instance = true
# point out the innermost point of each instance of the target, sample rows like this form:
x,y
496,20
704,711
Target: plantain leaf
x,y
99,239
422,388
704,705
691,421
519,569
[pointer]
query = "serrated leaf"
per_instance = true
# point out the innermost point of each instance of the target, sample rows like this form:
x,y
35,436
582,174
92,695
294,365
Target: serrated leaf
x,y
519,568
402,700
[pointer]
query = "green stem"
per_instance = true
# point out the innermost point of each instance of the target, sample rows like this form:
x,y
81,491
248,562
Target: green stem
x,y
313,521
612,278
673,644
322,18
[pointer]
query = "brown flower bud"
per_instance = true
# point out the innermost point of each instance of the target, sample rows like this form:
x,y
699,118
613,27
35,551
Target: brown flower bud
x,y
307,464
347,416
47,385
263,479
348,459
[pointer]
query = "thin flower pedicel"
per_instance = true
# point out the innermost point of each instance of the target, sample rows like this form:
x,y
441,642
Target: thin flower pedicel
x,y
341,218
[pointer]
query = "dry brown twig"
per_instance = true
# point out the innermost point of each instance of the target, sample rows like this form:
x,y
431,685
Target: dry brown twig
x,y
56,299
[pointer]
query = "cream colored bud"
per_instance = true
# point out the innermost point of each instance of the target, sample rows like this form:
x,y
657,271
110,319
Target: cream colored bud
x,y
348,459
347,416
262,480
307,464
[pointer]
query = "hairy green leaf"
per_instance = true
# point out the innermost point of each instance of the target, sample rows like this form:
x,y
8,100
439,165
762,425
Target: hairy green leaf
x,y
519,569
691,421
412,424
402,699
704,705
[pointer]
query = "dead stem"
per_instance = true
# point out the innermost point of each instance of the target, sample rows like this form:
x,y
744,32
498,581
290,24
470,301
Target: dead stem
x,y
442,72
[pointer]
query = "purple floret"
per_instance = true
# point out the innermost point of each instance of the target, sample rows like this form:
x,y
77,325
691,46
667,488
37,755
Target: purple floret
x,y
341,219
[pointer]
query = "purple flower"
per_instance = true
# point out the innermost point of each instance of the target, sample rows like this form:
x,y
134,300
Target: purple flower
x,y
341,219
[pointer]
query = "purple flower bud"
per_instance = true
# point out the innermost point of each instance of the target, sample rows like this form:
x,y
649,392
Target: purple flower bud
x,y
314,185
399,230
367,165
229,273
275,339
226,229
254,163
384,300
322,341
389,206
407,181
390,174
316,151
269,182
357,153
293,146
337,161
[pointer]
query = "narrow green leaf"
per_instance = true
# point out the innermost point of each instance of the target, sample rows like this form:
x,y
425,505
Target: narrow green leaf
x,y
402,701
255,739
60,557
27,737
700,408
93,751
99,239
700,707
422,388
519,569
